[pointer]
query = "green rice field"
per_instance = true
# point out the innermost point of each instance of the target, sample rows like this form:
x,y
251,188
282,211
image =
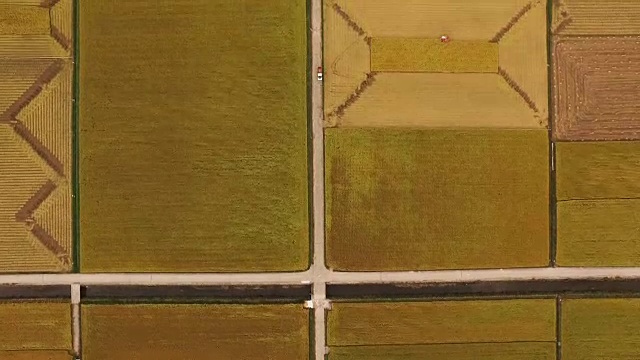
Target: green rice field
x,y
436,199
193,136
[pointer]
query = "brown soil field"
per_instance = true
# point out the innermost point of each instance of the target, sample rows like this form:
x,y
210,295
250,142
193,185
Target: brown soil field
x,y
442,322
400,199
597,329
514,97
36,75
599,233
195,332
588,17
596,87
35,326
598,170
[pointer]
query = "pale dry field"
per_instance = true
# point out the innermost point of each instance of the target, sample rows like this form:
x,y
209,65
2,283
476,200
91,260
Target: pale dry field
x,y
439,100
589,17
372,95
36,75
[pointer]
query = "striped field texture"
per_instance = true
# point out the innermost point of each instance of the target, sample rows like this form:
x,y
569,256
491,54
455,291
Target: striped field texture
x,y
36,355
597,18
195,332
596,329
36,74
35,326
193,143
439,330
431,55
436,199
598,170
599,232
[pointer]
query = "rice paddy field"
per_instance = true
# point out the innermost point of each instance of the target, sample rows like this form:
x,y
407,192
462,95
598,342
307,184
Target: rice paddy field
x,y
438,199
193,143
35,136
198,332
440,330
600,329
35,330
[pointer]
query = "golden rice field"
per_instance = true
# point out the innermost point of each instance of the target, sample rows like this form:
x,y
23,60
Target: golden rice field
x,y
432,55
193,143
595,329
384,64
400,199
30,327
195,332
439,330
599,232
597,18
36,75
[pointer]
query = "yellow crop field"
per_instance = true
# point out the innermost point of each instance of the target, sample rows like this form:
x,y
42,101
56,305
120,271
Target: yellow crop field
x,y
442,322
497,57
209,123
36,355
588,17
35,326
439,100
432,55
442,330
195,332
401,199
485,351
598,170
36,75
596,329
23,20
599,233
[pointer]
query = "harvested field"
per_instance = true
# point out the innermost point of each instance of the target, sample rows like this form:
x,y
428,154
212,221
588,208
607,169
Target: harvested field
x,y
598,170
597,83
36,75
505,40
35,326
484,188
195,332
490,351
455,100
596,329
597,18
432,55
599,233
442,322
209,123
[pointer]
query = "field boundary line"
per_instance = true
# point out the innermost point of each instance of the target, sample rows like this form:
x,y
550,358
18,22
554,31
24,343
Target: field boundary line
x,y
328,277
514,85
364,85
352,24
514,20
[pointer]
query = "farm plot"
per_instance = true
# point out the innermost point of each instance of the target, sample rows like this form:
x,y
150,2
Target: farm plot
x,y
439,330
383,60
599,203
193,143
35,331
197,332
597,18
597,84
600,329
436,199
36,75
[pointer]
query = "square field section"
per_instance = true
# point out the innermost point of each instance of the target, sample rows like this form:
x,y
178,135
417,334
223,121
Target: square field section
x,y
195,332
386,66
193,136
436,199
